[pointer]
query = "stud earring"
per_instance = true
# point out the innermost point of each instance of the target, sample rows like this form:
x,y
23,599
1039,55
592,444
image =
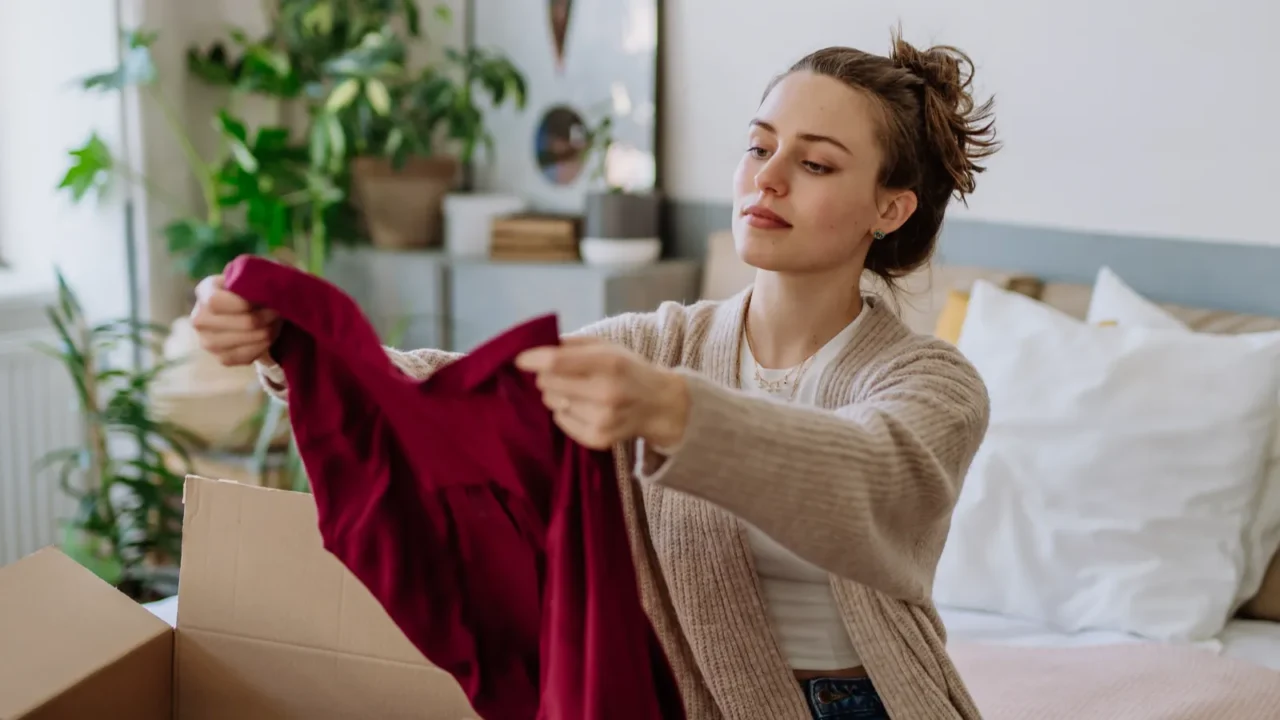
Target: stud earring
x,y
877,234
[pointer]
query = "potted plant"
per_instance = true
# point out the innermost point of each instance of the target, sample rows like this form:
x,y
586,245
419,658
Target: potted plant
x,y
127,526
620,225
410,133
258,193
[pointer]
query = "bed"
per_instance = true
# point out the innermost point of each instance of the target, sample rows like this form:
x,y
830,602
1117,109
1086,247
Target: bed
x,y
1019,670
1112,552
1252,641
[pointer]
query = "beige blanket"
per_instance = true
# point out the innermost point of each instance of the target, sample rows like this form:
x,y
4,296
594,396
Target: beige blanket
x,y
1144,681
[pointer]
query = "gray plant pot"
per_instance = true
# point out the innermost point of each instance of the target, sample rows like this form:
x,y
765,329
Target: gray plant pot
x,y
622,216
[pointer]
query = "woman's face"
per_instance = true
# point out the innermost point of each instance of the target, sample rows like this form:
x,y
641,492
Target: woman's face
x,y
806,192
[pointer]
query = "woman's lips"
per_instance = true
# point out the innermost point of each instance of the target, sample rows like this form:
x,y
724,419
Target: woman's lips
x,y
764,218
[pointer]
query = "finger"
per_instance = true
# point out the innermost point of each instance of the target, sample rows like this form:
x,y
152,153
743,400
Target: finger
x,y
536,360
582,432
266,317
217,342
206,319
576,360
227,302
557,402
243,355
594,388
589,416
206,288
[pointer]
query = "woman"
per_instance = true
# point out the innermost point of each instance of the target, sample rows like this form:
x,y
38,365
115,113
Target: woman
x,y
795,452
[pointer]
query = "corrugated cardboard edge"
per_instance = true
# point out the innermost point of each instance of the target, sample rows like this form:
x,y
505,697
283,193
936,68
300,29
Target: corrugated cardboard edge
x,y
279,626
64,610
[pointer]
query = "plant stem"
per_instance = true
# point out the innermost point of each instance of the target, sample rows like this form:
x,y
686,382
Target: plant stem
x,y
199,167
136,178
316,253
100,474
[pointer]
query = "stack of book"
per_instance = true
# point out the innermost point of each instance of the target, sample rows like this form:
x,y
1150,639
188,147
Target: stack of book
x,y
535,238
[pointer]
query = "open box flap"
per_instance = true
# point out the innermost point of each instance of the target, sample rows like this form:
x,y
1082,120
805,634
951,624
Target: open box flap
x,y
69,640
271,624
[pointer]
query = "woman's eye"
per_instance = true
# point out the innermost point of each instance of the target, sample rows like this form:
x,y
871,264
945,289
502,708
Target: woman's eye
x,y
757,152
816,168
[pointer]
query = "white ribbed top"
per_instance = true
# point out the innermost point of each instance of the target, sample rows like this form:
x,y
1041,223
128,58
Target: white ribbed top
x,y
798,595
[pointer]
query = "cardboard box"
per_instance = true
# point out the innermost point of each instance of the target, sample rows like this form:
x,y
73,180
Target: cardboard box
x,y
270,626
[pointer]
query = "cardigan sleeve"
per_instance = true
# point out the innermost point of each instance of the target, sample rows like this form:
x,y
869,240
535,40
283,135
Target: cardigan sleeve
x,y
865,491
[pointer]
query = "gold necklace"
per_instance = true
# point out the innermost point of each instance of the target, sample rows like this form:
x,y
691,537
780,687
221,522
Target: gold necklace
x,y
774,387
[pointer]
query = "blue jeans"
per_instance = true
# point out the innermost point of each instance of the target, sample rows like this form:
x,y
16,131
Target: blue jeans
x,y
843,699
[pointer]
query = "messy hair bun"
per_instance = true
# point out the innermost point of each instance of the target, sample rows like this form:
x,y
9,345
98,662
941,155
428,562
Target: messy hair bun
x,y
933,136
958,133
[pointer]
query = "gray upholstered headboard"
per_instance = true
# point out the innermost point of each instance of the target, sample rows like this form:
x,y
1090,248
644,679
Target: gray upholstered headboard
x,y
1222,276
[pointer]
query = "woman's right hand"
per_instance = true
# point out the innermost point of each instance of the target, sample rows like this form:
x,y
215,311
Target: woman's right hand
x,y
231,329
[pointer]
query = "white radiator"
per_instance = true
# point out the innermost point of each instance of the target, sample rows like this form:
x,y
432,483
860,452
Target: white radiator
x,y
38,413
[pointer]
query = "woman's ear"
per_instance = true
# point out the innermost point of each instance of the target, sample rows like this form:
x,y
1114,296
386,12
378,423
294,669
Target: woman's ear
x,y
896,207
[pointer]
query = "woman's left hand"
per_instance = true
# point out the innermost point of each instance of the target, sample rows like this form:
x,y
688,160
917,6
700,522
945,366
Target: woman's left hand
x,y
601,394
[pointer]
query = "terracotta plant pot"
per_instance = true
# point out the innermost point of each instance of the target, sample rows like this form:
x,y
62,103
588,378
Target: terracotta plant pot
x,y
402,208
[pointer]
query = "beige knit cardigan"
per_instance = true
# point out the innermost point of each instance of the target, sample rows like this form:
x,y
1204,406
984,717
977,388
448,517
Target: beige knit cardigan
x,y
862,486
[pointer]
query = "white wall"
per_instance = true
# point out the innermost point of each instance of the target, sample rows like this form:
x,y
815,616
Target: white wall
x,y
1147,117
44,47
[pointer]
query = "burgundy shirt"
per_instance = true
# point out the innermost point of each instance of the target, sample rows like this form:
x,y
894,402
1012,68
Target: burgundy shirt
x,y
494,542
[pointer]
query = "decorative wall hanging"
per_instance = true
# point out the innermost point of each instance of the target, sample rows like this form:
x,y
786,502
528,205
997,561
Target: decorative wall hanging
x,y
585,61
560,10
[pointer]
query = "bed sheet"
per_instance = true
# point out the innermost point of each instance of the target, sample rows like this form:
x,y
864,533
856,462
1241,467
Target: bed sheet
x,y
1254,641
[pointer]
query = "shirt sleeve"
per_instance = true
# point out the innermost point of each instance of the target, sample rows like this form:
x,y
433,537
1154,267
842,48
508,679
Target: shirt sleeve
x,y
865,491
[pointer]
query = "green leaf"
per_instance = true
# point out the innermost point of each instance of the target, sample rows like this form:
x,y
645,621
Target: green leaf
x,y
90,169
136,65
322,189
243,156
235,135
443,13
337,142
230,126
318,142
211,259
213,66
266,67
379,54
86,548
378,96
270,140
395,141
318,19
139,38
342,95
412,20
185,236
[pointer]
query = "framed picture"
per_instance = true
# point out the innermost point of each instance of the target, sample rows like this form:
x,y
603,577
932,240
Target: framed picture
x,y
584,60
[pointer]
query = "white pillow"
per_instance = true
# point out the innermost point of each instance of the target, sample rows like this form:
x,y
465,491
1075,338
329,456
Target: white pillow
x,y
1114,483
1114,301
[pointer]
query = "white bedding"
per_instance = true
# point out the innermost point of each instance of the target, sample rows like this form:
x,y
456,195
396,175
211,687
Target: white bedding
x,y
1250,640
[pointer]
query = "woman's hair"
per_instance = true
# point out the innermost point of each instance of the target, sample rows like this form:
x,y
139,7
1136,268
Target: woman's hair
x,y
931,133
